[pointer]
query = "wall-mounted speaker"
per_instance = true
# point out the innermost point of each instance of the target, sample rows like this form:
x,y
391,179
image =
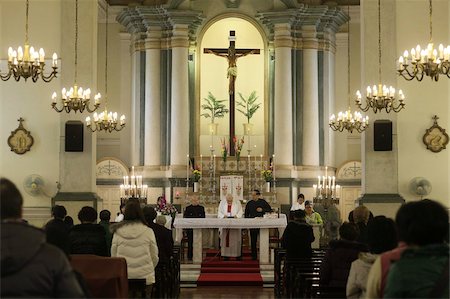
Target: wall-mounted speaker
x,y
382,135
74,136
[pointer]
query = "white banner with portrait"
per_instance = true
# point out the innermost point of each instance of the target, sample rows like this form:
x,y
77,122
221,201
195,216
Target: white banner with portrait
x,y
233,184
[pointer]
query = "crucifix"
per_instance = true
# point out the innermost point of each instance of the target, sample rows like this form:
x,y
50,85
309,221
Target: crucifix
x,y
231,54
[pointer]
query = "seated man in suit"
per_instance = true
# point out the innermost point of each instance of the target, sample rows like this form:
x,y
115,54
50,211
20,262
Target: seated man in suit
x,y
194,210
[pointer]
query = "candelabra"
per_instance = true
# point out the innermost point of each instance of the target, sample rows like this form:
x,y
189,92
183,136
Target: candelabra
x,y
132,187
326,197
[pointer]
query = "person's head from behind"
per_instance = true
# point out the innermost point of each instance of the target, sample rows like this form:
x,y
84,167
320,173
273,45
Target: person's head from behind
x,y
256,194
11,200
68,221
299,215
105,215
194,200
381,234
301,198
361,214
161,220
149,213
308,207
133,211
422,223
87,215
161,201
229,198
59,212
349,231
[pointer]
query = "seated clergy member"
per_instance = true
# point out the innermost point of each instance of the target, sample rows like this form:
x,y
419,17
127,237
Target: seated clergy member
x,y
194,210
30,266
230,239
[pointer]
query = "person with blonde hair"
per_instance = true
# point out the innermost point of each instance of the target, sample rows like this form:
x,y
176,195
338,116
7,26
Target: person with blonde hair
x,y
361,218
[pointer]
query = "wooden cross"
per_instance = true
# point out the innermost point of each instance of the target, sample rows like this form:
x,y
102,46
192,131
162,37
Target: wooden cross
x,y
231,54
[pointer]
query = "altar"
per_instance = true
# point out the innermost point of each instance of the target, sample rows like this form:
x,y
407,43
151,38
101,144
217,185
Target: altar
x,y
197,224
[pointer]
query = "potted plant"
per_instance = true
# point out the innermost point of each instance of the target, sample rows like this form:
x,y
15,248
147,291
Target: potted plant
x,y
196,175
268,177
249,108
213,108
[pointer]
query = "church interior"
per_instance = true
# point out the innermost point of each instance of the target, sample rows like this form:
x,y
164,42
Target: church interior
x,y
241,91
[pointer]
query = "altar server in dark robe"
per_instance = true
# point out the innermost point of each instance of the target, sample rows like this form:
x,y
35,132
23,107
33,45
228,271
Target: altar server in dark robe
x,y
194,210
257,207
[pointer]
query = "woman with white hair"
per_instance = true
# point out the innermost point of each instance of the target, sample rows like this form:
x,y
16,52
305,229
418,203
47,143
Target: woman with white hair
x,y
230,239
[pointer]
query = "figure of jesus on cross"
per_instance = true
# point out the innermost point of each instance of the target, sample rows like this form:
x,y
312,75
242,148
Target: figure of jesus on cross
x,y
231,54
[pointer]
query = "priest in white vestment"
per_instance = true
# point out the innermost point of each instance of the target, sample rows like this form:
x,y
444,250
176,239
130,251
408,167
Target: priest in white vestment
x,y
230,239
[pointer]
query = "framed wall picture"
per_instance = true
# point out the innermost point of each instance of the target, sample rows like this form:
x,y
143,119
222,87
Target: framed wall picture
x,y
435,137
20,140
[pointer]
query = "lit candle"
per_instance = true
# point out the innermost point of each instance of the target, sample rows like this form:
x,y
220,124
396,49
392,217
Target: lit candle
x,y
273,166
187,167
201,163
260,161
315,190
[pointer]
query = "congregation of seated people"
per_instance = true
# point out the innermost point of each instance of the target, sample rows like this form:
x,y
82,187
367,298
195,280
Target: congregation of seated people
x,y
373,256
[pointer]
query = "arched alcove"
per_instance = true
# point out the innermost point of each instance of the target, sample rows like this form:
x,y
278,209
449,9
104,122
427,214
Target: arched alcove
x,y
250,77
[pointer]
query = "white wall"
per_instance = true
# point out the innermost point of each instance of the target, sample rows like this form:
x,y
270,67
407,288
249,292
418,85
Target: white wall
x,y
30,100
424,99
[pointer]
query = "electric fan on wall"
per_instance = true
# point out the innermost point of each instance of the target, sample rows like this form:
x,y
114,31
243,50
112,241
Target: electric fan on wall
x,y
420,186
33,184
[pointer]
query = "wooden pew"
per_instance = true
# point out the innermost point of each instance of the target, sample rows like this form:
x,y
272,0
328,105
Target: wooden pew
x,y
106,277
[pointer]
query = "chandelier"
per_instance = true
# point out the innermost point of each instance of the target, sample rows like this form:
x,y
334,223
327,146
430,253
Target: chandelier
x,y
106,121
326,191
132,187
347,120
383,97
27,62
76,98
429,61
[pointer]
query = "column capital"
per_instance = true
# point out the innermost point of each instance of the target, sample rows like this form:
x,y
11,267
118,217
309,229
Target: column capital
x,y
153,40
282,35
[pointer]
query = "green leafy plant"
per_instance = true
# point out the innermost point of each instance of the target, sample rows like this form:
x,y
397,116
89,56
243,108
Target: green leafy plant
x,y
213,107
249,105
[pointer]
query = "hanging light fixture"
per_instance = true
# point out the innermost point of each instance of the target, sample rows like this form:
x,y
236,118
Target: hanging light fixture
x,y
429,61
346,120
106,121
383,97
26,62
76,98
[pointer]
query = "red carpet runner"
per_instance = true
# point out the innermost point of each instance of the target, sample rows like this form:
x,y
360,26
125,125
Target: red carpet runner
x,y
217,272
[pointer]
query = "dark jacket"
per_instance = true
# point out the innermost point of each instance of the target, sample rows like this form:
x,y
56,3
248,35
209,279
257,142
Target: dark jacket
x,y
416,273
192,211
57,232
31,267
164,241
297,239
252,205
108,235
88,238
338,260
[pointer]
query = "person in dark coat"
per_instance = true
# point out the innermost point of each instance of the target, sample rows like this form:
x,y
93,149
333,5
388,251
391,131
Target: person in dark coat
x,y
56,230
257,207
297,237
163,235
105,218
88,237
30,267
338,259
194,210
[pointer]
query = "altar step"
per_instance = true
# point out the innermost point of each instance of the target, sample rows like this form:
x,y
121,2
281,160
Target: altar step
x,y
217,272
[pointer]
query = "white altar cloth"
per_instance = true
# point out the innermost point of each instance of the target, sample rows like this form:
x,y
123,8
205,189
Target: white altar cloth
x,y
242,223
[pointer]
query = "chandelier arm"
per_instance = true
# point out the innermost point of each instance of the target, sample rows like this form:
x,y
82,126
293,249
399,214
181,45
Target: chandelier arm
x,y
56,108
88,108
5,77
